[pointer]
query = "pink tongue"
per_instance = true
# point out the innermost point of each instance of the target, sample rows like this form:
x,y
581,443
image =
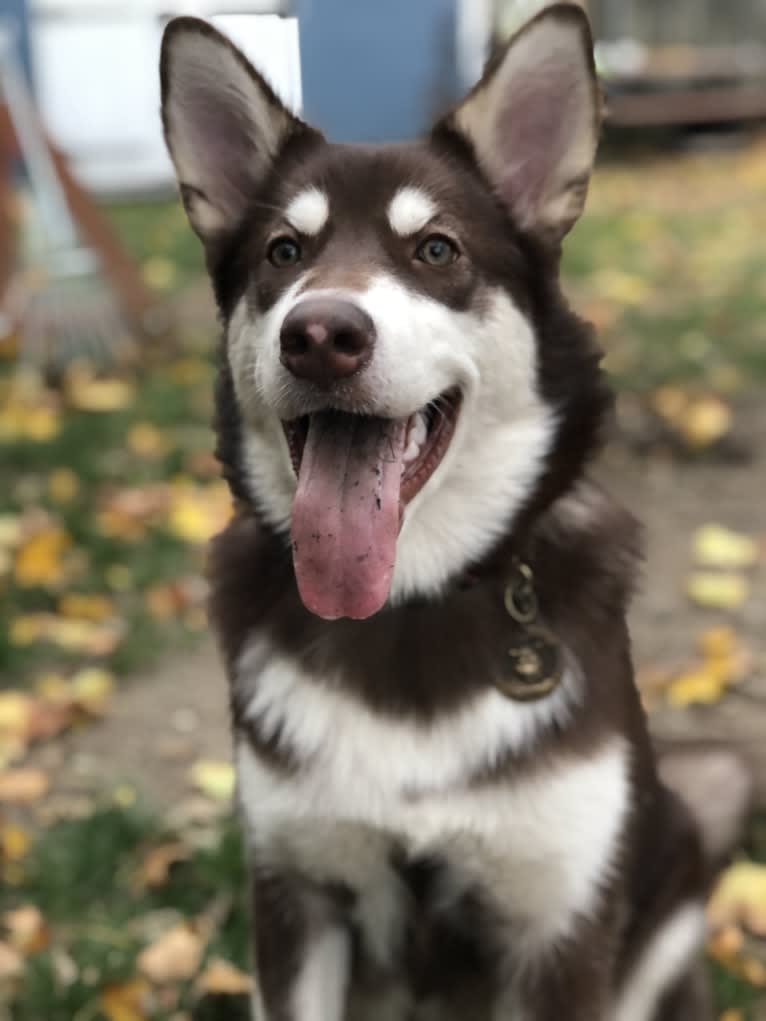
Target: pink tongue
x,y
345,518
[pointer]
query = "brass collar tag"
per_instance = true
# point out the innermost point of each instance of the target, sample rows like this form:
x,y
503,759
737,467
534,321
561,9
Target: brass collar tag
x,y
534,663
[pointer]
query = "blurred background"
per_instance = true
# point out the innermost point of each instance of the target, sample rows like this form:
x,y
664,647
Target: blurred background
x,y
121,883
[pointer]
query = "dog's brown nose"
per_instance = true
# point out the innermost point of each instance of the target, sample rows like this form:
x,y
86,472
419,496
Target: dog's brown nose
x,y
324,339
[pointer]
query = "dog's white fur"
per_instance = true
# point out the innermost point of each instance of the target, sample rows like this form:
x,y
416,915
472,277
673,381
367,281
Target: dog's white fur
x,y
409,211
320,992
339,812
665,960
308,212
422,349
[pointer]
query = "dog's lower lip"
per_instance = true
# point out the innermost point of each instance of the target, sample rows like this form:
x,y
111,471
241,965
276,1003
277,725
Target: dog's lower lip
x,y
441,415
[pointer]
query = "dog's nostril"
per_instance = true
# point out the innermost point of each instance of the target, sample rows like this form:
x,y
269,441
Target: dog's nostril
x,y
295,343
348,343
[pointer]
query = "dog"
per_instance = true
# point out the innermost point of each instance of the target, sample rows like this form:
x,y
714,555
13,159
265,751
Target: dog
x,y
451,803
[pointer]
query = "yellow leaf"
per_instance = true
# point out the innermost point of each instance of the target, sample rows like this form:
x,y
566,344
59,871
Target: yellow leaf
x,y
740,897
704,421
223,979
754,971
670,403
26,928
717,590
27,628
14,843
124,795
11,963
125,1001
146,440
86,607
86,393
198,512
696,686
716,546
10,530
63,485
91,688
20,786
174,957
732,1015
213,778
15,712
159,272
39,560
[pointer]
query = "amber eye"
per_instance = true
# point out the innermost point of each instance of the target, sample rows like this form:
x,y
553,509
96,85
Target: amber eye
x,y
437,250
284,252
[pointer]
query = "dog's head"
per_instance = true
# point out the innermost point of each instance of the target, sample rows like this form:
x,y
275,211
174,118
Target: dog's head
x,y
402,378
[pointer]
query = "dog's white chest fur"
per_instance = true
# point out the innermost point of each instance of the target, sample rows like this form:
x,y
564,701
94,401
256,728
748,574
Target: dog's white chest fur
x,y
543,841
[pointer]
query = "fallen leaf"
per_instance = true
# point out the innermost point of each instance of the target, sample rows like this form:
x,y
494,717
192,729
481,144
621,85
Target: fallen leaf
x,y
87,393
91,689
716,546
717,590
740,898
146,440
157,864
15,712
726,943
174,957
704,421
125,1001
39,560
14,843
159,272
20,786
197,511
221,978
10,530
732,1015
213,778
695,687
63,485
27,930
81,606
754,971
11,963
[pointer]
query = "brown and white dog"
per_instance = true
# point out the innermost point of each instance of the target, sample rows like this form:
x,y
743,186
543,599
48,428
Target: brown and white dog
x,y
451,803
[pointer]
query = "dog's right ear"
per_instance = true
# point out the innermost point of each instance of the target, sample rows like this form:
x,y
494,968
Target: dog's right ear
x,y
223,124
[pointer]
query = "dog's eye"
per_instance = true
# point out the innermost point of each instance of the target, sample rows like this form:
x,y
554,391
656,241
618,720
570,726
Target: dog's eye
x,y
437,250
284,252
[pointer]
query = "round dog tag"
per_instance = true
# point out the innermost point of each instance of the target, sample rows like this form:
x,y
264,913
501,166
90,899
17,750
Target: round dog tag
x,y
533,666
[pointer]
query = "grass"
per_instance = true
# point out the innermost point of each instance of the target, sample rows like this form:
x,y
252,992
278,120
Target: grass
x,y
83,874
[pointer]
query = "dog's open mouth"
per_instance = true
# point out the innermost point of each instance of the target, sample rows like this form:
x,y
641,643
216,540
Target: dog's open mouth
x,y
356,474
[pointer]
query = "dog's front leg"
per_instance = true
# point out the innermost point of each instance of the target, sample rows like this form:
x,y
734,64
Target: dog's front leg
x,y
302,951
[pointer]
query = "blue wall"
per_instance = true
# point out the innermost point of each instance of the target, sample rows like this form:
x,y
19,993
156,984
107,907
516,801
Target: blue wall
x,y
376,70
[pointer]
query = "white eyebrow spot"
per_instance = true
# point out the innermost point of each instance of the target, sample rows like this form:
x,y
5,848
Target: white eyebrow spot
x,y
309,211
409,211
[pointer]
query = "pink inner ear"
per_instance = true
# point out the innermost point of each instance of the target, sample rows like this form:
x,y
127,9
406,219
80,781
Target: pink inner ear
x,y
535,134
223,149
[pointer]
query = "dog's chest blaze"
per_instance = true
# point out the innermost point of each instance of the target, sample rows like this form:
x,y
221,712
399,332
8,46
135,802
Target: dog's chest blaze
x,y
543,841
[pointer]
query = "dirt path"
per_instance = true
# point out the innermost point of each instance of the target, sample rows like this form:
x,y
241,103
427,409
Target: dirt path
x,y
161,724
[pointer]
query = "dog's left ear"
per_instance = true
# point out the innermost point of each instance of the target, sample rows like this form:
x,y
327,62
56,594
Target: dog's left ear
x,y
533,121
224,125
